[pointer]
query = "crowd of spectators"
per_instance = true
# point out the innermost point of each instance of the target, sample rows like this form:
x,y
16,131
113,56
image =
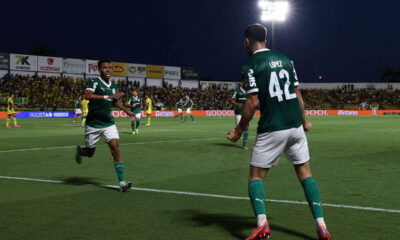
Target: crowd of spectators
x,y
56,93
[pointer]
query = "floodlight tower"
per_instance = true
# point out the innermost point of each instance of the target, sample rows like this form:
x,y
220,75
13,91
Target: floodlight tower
x,y
273,11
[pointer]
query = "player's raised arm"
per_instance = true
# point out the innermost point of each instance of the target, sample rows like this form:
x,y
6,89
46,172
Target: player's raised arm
x,y
233,100
306,124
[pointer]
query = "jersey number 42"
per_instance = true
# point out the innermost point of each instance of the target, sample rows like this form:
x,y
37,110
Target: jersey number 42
x,y
275,88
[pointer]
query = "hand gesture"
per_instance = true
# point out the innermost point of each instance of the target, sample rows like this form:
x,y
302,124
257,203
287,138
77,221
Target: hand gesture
x,y
234,135
307,126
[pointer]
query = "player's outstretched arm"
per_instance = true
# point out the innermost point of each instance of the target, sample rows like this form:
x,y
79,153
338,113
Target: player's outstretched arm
x,y
248,113
89,95
236,103
306,124
121,106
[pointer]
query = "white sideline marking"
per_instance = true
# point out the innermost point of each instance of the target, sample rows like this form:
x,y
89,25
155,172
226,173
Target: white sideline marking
x,y
121,144
214,195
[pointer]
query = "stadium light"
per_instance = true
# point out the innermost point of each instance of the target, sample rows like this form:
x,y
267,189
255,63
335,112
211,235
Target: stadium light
x,y
273,11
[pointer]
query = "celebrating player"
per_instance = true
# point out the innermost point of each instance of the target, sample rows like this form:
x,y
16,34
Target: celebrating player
x,y
238,100
102,94
11,112
78,111
135,102
272,81
149,107
85,110
188,104
179,105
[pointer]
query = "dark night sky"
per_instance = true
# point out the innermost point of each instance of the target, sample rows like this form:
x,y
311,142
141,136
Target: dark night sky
x,y
345,41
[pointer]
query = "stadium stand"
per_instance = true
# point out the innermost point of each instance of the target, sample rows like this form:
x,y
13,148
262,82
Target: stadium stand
x,y
56,93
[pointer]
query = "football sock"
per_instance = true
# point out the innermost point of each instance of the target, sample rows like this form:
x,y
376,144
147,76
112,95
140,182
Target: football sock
x,y
257,197
184,120
119,166
181,117
320,222
245,137
15,121
137,123
148,120
192,118
83,121
261,219
8,121
133,125
313,197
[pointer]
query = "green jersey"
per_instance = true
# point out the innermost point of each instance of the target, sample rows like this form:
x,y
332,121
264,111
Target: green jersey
x,y
78,104
135,104
99,115
272,75
240,97
179,104
189,103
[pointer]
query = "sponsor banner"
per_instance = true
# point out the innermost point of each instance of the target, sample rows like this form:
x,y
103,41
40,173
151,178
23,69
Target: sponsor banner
x,y
136,70
188,73
155,71
91,67
4,61
49,64
23,62
41,114
72,65
172,72
119,69
172,113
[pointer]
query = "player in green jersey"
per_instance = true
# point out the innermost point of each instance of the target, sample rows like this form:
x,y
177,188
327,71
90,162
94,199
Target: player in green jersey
x,y
135,102
272,82
188,104
102,93
179,105
78,111
238,100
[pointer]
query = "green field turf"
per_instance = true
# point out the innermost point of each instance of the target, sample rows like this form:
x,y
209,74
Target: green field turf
x,y
355,161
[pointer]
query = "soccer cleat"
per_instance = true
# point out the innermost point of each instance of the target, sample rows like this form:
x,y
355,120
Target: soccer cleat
x,y
323,233
78,157
133,132
147,124
8,126
244,147
124,186
262,232
17,126
137,131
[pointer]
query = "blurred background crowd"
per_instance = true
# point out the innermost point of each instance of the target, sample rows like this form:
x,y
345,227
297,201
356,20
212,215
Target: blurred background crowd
x,y
60,93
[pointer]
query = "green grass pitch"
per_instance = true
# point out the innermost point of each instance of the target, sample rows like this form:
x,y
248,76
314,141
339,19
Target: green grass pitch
x,y
355,161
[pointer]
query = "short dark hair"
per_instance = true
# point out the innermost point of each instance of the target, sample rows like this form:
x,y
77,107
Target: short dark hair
x,y
256,32
102,61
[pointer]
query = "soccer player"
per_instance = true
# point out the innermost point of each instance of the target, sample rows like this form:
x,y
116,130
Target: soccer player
x,y
238,100
102,94
78,111
135,102
149,107
271,81
374,108
85,110
179,105
11,112
188,104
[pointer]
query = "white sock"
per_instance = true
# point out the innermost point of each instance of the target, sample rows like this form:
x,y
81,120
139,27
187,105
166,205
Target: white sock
x,y
320,222
122,183
261,219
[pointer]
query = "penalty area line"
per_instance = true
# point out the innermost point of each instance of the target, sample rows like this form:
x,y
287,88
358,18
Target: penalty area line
x,y
211,195
121,144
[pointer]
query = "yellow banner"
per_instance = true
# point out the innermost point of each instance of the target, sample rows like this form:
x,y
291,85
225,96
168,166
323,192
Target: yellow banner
x,y
119,69
155,71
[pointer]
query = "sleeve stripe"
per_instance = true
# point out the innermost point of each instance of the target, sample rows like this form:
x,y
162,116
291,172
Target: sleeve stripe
x,y
296,84
91,89
253,90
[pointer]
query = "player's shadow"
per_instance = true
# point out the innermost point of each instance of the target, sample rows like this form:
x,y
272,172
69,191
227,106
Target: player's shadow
x,y
238,226
79,181
230,145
